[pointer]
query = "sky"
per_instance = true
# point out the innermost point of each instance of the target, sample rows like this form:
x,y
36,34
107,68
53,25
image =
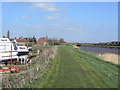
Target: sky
x,y
83,22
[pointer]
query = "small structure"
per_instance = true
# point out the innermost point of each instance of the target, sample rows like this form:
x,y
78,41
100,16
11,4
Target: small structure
x,y
22,41
42,41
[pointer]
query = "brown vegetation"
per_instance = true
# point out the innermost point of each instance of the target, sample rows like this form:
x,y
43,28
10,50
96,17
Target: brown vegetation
x,y
110,57
36,69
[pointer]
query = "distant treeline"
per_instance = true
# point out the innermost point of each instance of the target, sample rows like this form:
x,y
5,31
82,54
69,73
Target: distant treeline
x,y
55,41
104,44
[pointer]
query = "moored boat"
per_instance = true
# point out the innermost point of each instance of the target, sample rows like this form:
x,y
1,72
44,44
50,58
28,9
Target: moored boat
x,y
7,50
22,50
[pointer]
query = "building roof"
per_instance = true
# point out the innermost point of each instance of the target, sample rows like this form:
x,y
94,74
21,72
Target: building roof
x,y
21,40
42,39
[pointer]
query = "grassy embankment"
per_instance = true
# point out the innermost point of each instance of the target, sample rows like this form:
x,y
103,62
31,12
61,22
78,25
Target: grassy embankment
x,y
73,68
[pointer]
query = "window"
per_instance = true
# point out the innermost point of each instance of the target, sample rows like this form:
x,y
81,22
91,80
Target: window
x,y
22,48
2,47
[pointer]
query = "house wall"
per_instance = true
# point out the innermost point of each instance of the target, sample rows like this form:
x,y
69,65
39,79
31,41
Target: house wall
x,y
42,41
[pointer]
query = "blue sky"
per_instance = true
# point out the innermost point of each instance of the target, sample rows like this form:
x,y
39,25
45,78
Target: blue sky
x,y
73,21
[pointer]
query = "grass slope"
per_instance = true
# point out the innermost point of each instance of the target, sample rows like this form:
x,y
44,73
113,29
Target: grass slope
x,y
75,69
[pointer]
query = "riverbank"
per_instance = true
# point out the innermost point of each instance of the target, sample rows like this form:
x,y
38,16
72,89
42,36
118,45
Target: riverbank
x,y
109,57
106,54
73,68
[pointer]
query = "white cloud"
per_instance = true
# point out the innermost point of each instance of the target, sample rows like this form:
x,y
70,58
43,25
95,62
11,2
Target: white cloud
x,y
51,9
43,5
53,18
24,17
73,27
14,25
32,26
57,18
46,7
64,20
66,31
57,14
54,27
70,28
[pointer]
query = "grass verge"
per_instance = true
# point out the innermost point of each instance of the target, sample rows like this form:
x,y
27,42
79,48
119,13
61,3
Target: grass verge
x,y
75,69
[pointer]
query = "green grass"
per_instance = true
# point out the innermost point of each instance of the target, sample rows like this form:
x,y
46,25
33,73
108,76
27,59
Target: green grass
x,y
73,68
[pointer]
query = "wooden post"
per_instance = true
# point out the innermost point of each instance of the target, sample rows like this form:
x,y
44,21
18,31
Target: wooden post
x,y
11,56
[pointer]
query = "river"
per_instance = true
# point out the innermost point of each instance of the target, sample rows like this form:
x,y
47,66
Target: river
x,y
99,50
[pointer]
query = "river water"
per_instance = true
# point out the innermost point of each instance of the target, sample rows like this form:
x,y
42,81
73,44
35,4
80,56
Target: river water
x,y
99,50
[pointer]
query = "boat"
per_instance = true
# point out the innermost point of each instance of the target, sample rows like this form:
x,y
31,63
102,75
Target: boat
x,y
22,50
7,50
